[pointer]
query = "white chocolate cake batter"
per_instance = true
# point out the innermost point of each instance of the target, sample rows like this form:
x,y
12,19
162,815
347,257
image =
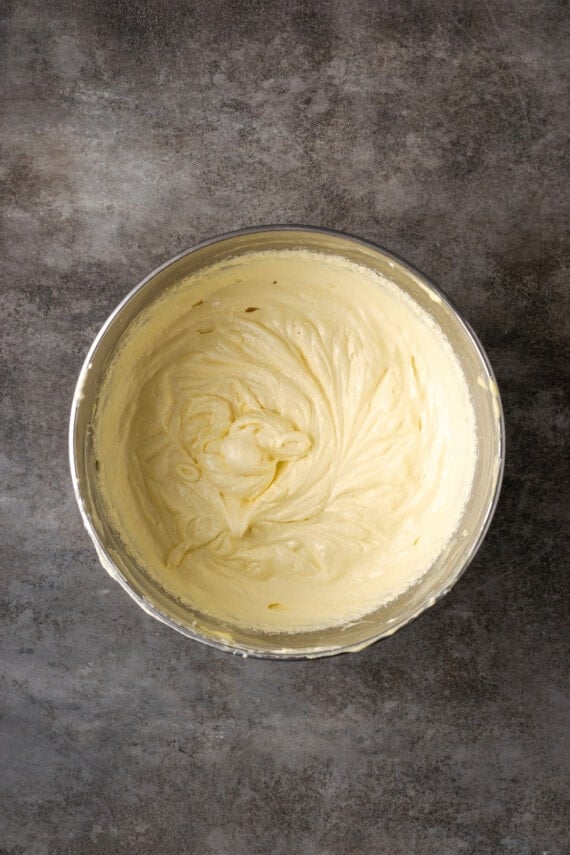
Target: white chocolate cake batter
x,y
285,441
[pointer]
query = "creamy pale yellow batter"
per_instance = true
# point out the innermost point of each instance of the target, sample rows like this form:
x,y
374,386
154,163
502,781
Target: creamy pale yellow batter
x,y
285,441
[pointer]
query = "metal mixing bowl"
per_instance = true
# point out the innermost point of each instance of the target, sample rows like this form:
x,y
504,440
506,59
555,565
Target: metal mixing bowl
x,y
384,621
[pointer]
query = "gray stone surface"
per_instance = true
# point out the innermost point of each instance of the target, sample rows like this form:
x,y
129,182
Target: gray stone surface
x,y
130,131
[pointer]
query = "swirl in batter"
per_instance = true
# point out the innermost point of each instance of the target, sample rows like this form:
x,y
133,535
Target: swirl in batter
x,y
285,441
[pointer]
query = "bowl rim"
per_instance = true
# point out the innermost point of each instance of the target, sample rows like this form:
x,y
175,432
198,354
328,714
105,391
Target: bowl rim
x,y
285,653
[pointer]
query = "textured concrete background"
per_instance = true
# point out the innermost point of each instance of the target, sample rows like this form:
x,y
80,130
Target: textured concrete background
x,y
130,131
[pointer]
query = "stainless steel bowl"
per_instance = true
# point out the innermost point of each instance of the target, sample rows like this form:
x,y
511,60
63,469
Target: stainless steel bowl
x,y
385,620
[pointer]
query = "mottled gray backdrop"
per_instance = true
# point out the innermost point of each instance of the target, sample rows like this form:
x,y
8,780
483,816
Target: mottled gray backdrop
x,y
131,130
